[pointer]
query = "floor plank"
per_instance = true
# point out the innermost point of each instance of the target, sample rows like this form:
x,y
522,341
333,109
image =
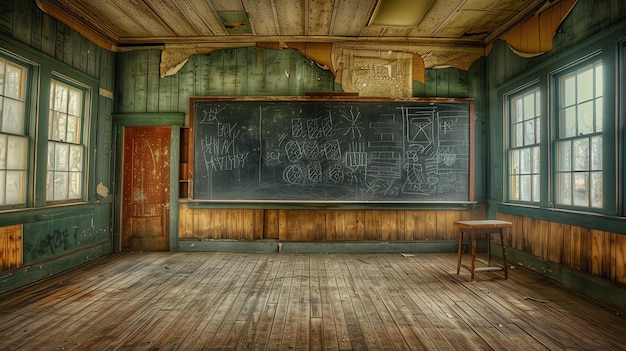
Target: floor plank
x,y
239,301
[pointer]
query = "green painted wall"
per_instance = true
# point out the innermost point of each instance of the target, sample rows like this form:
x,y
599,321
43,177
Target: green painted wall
x,y
592,27
255,71
59,238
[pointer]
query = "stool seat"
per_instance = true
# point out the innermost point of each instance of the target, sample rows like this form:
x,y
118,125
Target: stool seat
x,y
485,226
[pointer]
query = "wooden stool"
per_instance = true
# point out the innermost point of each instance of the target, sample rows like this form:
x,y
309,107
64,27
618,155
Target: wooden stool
x,y
482,227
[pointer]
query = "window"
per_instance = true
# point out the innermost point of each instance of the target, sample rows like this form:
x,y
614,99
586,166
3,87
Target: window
x,y
578,145
13,137
523,149
66,148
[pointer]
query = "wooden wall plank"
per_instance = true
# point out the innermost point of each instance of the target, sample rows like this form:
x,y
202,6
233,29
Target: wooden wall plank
x,y
595,252
620,258
152,81
11,247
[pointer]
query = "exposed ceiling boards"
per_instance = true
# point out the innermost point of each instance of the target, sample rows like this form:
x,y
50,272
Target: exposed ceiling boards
x,y
400,13
451,33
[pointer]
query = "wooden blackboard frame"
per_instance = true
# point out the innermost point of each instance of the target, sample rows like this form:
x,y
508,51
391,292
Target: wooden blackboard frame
x,y
328,98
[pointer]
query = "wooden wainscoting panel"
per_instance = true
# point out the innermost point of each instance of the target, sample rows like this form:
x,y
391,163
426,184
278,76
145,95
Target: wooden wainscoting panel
x,y
596,252
317,225
185,222
11,247
619,250
271,228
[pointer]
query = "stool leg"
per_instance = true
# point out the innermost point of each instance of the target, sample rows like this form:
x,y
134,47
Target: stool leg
x,y
473,266
458,263
506,268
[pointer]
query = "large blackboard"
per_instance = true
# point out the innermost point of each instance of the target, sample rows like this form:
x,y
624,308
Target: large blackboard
x,y
331,150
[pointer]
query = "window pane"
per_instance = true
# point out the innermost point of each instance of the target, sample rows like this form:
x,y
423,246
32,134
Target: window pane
x,y
596,153
61,92
564,156
537,103
13,115
75,189
596,189
518,135
73,129
61,155
536,188
581,154
599,115
60,188
525,161
585,85
598,83
529,106
76,158
581,189
568,123
75,102
585,118
517,112
15,190
3,152
568,90
525,188
564,189
17,152
529,132
14,84
535,164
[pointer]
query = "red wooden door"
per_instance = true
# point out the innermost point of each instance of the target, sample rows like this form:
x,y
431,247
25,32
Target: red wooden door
x,y
146,189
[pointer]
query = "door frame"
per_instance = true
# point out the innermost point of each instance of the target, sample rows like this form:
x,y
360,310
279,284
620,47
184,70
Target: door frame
x,y
174,120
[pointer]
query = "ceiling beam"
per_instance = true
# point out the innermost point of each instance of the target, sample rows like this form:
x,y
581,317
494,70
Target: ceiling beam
x,y
236,39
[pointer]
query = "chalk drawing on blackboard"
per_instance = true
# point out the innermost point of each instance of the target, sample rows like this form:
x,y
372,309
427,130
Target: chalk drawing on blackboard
x,y
355,127
209,115
331,151
311,150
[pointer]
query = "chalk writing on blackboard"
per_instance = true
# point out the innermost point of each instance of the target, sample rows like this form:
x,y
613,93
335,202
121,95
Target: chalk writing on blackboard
x,y
345,151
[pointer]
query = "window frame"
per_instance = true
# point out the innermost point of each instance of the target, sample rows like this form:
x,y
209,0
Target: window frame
x,y
42,69
535,88
82,133
30,103
608,118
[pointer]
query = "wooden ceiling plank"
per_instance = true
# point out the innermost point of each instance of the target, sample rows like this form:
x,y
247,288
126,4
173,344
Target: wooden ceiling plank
x,y
171,15
439,13
351,16
488,23
196,18
208,15
460,23
261,16
135,18
291,16
106,40
319,14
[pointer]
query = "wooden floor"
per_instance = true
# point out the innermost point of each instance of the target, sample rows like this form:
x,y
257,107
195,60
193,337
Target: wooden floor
x,y
211,301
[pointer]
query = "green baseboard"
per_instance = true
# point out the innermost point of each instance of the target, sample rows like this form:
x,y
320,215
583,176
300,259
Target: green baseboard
x,y
598,288
319,247
27,275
